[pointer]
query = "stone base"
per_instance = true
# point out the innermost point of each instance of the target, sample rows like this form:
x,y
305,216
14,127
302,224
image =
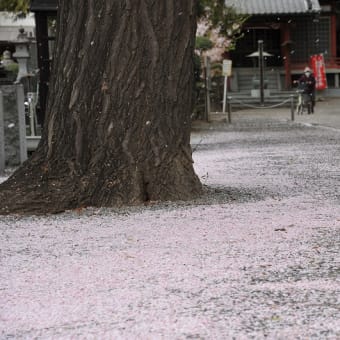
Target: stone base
x,y
256,93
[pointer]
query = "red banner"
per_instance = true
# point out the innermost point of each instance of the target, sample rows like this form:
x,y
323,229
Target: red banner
x,y
319,70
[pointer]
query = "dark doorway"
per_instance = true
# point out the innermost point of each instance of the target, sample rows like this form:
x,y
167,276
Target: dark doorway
x,y
249,43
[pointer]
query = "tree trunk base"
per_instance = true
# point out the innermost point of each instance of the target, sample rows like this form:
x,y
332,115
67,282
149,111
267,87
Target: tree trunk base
x,y
29,191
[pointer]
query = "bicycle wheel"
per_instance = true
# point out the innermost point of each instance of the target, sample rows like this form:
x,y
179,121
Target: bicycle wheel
x,y
299,106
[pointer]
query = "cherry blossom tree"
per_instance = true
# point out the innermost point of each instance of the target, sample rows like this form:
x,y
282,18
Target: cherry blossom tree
x,y
221,24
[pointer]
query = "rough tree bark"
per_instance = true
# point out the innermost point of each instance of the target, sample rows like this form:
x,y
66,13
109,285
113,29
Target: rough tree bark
x,y
118,120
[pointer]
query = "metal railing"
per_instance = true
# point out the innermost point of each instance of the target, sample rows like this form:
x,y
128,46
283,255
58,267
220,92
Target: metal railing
x,y
242,103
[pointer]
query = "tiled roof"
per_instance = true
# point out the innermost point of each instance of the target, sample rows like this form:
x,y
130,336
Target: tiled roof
x,y
256,7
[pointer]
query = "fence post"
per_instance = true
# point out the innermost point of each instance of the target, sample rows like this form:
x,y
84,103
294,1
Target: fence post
x,y
225,93
261,70
292,109
2,136
207,80
229,109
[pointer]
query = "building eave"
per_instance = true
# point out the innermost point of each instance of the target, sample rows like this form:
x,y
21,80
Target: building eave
x,y
44,5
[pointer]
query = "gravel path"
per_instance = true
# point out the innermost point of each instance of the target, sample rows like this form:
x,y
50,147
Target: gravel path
x,y
257,257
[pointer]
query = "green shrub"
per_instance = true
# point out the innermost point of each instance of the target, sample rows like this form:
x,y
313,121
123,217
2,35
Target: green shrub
x,y
13,68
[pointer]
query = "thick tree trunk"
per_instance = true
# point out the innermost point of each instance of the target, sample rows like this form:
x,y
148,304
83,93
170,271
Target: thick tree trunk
x,y
118,117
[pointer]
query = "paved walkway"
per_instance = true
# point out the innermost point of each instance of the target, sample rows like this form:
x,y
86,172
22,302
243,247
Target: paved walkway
x,y
327,114
257,257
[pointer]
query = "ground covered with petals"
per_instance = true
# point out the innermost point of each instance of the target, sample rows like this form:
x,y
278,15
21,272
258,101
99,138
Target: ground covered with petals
x,y
257,256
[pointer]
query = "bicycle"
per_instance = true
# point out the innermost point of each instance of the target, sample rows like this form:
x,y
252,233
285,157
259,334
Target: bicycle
x,y
304,100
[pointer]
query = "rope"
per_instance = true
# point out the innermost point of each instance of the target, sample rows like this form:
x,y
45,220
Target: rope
x,y
261,107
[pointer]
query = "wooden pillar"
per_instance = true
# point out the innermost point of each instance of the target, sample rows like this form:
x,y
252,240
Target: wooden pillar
x,y
333,38
43,61
286,49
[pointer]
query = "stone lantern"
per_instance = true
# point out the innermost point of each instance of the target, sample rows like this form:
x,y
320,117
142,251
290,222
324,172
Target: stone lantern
x,y
22,53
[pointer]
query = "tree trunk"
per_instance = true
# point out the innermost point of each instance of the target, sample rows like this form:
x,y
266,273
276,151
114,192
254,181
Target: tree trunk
x,y
118,119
